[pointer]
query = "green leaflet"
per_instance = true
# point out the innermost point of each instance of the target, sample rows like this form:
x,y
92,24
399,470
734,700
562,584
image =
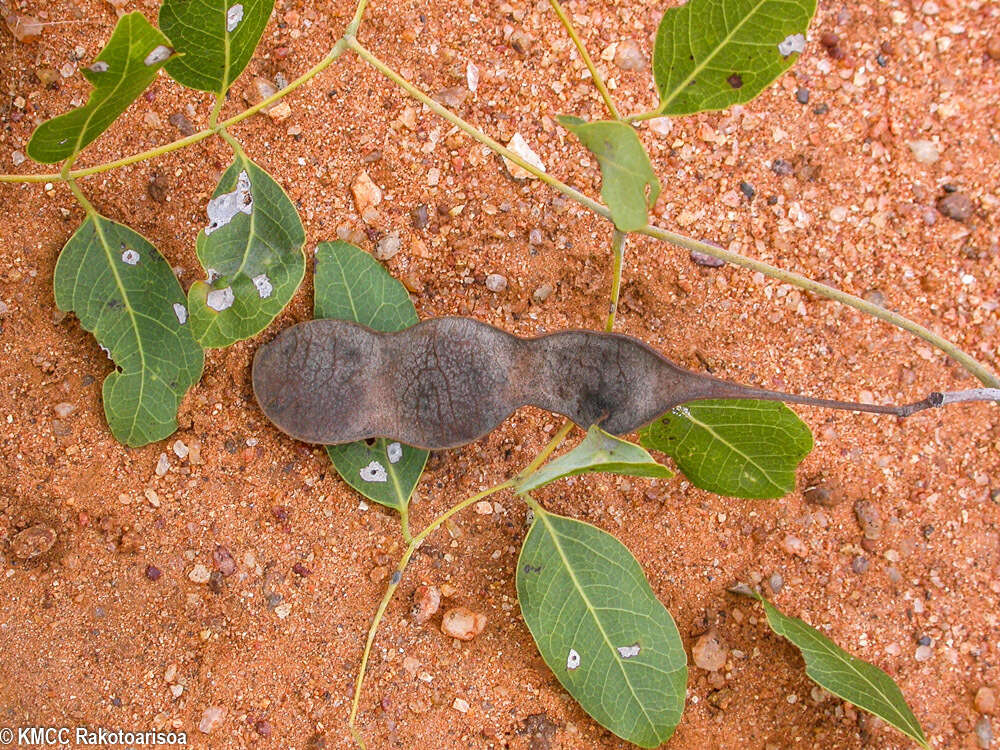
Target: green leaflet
x,y
125,67
599,452
125,293
600,628
216,38
626,173
351,285
739,448
844,675
711,54
252,252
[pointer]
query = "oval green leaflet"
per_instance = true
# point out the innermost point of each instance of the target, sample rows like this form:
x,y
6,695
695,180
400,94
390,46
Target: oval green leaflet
x,y
125,293
251,250
711,54
738,448
216,39
600,628
124,68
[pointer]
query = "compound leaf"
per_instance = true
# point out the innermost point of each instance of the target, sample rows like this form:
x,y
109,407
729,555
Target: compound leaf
x,y
739,448
216,38
124,68
711,54
846,676
351,285
628,183
252,253
600,628
125,293
598,452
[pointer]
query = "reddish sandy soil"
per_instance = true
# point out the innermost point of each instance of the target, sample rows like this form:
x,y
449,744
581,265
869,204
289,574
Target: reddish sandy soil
x,y
86,638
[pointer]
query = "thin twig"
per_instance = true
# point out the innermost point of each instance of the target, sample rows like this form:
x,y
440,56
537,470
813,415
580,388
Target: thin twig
x,y
618,251
969,363
594,75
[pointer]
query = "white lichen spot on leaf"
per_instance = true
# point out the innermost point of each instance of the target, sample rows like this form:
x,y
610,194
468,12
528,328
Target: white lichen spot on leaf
x,y
792,43
99,67
220,299
374,472
572,660
181,312
394,451
160,53
263,284
221,210
130,256
233,17
627,652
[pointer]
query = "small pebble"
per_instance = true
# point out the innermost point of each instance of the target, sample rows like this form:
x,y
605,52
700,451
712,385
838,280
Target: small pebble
x,y
776,582
986,701
859,564
628,55
821,109
462,623
923,653
388,246
418,216
802,95
794,546
520,147
162,465
153,573
199,574
826,493
223,560
212,719
301,570
535,237
993,47
182,123
158,188
924,151
262,727
18,158
704,259
541,293
782,167
63,410
709,652
496,282
426,601
984,733
955,206
748,190
34,541
366,194
869,519
461,705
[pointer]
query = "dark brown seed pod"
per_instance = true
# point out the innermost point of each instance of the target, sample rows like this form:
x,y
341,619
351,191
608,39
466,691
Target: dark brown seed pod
x,y
445,382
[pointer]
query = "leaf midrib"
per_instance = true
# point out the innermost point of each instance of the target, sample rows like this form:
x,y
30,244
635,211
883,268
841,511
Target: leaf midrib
x,y
708,428
543,516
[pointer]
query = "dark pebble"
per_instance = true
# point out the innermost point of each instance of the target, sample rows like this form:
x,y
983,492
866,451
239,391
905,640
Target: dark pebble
x,y
956,206
772,200
821,109
949,187
418,216
782,167
158,188
216,582
709,261
924,640
827,493
263,728
828,39
153,573
802,96
860,564
230,446
223,560
747,189
301,570
182,123
882,60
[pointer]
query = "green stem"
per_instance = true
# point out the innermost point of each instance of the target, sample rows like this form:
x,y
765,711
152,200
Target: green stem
x,y
618,250
404,523
359,12
789,277
337,51
594,75
394,582
233,143
651,114
471,130
213,119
